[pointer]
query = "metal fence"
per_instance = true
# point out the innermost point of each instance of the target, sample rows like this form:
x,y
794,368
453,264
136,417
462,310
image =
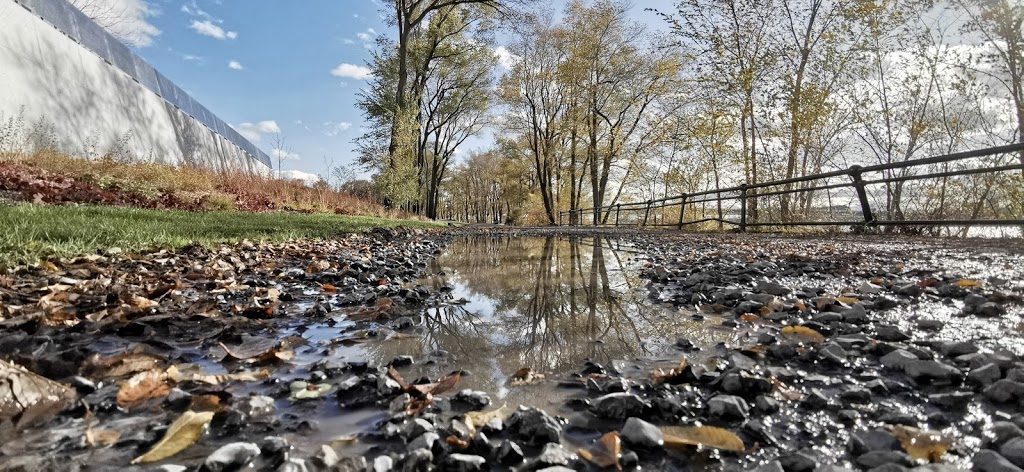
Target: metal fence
x,y
981,187
83,30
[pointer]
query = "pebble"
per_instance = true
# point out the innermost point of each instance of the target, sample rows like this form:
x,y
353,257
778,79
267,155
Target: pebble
x,y
897,359
800,461
1013,451
618,406
987,460
231,457
510,453
1004,391
932,371
476,400
555,454
642,434
862,442
535,426
728,407
874,459
464,463
985,375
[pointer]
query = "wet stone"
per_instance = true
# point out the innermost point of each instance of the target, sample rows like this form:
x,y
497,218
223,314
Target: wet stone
x,y
987,460
815,400
930,325
1004,391
1003,431
535,426
231,457
419,459
801,461
890,333
897,359
862,442
464,463
773,466
383,464
874,459
555,454
989,310
1013,451
475,400
618,406
774,288
932,371
425,441
984,376
856,396
728,407
510,453
639,433
952,399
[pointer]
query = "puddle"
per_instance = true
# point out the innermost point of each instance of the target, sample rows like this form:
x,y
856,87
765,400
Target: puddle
x,y
547,303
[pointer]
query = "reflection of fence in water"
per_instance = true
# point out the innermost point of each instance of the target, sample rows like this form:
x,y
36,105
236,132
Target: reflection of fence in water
x,y
980,187
83,30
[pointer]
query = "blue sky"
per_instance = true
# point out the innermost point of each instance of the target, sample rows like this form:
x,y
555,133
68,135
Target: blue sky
x,y
263,65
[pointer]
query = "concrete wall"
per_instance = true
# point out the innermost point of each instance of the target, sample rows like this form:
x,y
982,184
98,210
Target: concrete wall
x,y
60,68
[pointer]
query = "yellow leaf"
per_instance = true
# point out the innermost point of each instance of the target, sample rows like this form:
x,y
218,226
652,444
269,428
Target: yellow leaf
x,y
143,386
195,374
182,433
847,300
921,444
803,334
704,436
477,419
967,283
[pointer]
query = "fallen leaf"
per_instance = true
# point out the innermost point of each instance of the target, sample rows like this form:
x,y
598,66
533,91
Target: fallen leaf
x,y
206,403
26,396
605,453
124,364
329,288
802,334
703,436
457,443
526,376
477,419
143,386
142,303
967,283
848,300
195,374
250,347
182,433
445,384
100,437
306,391
674,376
921,444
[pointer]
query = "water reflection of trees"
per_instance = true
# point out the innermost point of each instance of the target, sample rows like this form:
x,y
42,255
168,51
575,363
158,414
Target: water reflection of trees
x,y
552,302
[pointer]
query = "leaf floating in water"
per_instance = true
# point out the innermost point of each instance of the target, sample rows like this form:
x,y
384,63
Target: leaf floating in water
x,y
306,391
703,436
477,419
526,376
182,433
967,283
921,444
143,386
605,453
803,334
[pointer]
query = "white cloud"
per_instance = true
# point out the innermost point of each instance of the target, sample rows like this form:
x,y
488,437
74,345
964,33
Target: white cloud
x,y
505,57
235,65
284,155
207,28
331,128
351,71
305,177
364,36
255,132
126,20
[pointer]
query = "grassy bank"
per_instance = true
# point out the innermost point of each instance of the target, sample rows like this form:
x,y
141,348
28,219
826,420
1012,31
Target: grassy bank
x,y
31,232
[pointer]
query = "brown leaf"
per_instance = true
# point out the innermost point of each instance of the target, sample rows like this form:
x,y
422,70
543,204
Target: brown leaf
x,y
206,403
141,303
329,288
526,376
195,374
802,334
251,347
921,444
457,443
26,396
703,436
605,453
100,437
125,364
445,384
417,405
967,283
143,386
163,290
398,378
182,433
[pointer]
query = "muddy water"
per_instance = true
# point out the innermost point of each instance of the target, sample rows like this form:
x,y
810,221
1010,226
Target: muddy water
x,y
548,303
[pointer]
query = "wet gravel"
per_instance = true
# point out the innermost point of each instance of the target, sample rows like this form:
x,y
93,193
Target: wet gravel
x,y
853,352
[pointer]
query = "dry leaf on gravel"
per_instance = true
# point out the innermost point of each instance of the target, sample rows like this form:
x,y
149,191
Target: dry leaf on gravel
x,y
605,453
967,283
124,364
802,334
143,386
477,419
703,436
921,444
182,433
191,373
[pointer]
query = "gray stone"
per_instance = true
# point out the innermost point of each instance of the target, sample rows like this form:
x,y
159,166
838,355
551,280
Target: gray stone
x,y
535,426
1013,451
951,399
425,441
984,376
989,310
618,406
774,288
510,453
930,325
862,442
416,428
897,359
231,457
1003,431
293,465
932,371
728,407
800,461
464,463
890,333
474,399
1005,390
420,459
773,466
383,464
832,352
555,454
874,459
956,349
987,460
856,314
640,433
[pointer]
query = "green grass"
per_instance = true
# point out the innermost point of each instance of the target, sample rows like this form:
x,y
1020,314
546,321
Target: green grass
x,y
29,233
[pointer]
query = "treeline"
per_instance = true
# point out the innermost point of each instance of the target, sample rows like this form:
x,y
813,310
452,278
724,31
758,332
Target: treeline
x,y
593,108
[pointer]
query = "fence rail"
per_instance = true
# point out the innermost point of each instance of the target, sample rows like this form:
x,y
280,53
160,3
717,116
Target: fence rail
x,y
979,187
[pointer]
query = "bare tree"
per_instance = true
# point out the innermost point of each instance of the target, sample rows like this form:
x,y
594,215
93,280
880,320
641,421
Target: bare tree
x,y
124,19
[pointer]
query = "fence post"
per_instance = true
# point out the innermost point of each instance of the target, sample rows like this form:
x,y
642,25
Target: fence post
x,y
647,213
743,208
682,212
862,193
618,208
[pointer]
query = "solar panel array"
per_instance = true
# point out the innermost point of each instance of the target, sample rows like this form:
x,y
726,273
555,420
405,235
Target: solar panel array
x,y
83,30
